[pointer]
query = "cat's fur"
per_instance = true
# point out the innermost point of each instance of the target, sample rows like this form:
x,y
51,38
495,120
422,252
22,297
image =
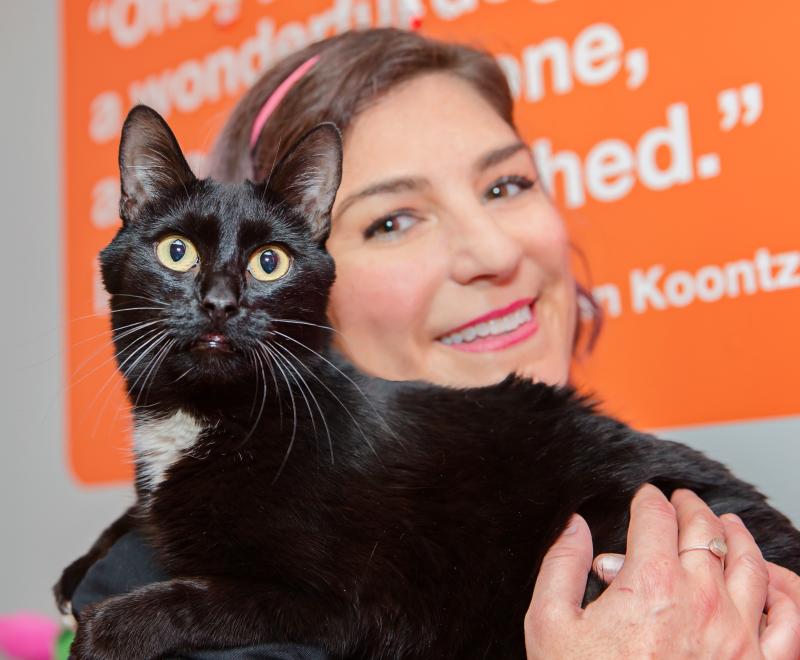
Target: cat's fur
x,y
296,499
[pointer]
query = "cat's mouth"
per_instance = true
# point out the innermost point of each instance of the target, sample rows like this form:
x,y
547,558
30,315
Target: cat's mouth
x,y
213,342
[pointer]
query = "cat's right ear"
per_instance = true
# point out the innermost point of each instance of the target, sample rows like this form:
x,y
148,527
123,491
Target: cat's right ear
x,y
151,164
309,175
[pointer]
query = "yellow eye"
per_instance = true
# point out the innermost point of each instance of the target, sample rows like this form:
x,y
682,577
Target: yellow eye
x,y
269,263
177,253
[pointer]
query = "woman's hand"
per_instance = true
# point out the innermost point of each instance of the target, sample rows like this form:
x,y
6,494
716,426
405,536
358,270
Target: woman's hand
x,y
661,604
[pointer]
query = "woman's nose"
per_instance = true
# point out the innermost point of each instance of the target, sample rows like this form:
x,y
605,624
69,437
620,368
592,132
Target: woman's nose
x,y
481,248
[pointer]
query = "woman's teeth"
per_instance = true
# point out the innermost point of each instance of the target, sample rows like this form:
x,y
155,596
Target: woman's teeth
x,y
497,326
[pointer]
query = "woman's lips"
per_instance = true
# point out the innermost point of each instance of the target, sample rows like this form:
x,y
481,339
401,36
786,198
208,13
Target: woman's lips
x,y
496,330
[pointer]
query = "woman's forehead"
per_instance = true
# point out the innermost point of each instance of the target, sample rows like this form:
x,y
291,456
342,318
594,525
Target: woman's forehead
x,y
431,121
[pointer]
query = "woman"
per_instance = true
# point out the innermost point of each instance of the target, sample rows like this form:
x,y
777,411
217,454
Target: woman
x,y
453,266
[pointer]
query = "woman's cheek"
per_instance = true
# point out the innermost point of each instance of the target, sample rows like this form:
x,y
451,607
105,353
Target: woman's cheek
x,y
545,239
381,301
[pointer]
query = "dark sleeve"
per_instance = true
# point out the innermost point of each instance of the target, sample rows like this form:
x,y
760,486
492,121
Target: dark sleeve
x,y
131,563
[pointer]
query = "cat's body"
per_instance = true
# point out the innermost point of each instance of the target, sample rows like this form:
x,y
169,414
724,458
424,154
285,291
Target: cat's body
x,y
295,499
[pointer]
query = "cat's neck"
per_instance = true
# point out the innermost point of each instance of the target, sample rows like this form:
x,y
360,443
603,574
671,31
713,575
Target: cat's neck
x,y
292,389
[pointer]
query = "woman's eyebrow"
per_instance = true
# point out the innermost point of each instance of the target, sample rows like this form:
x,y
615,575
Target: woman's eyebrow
x,y
400,184
406,184
497,156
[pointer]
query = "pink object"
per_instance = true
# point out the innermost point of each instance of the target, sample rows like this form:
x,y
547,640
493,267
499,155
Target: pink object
x,y
277,96
495,313
28,636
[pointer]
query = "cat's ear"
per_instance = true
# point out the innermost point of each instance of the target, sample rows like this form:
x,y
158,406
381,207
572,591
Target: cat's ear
x,y
151,164
309,176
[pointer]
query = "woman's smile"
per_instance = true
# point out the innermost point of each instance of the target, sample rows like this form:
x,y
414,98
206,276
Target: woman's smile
x,y
496,330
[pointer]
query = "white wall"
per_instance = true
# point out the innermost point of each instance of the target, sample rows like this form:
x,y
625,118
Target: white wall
x,y
46,519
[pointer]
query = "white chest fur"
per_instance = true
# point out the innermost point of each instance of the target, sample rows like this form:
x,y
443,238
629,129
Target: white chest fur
x,y
161,442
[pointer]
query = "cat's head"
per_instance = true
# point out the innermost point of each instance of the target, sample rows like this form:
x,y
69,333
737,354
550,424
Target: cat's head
x,y
211,284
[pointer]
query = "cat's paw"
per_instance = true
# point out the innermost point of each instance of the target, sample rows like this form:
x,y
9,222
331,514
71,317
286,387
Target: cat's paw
x,y
71,577
105,633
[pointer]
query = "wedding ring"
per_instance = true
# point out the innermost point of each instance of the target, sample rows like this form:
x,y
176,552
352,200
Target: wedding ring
x,y
715,546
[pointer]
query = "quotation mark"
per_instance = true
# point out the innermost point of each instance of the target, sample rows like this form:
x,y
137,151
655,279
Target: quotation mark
x,y
740,105
97,17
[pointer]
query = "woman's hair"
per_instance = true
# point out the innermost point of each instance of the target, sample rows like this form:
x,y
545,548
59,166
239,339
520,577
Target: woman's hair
x,y
354,70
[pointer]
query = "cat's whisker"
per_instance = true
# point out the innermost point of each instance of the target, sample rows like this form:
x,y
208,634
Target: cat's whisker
x,y
142,341
333,394
131,329
263,398
277,390
314,325
104,389
292,372
294,419
344,375
185,373
133,295
134,309
251,358
155,365
107,313
311,393
143,351
150,346
73,383
108,331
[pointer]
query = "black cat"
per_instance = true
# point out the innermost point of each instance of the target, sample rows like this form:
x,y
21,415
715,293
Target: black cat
x,y
295,499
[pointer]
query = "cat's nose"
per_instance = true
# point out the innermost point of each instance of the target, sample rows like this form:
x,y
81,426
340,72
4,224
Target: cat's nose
x,y
220,301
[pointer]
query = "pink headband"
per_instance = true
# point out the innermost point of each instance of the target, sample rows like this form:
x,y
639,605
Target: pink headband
x,y
276,97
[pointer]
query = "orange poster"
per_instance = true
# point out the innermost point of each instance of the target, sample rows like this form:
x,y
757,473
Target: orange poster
x,y
664,130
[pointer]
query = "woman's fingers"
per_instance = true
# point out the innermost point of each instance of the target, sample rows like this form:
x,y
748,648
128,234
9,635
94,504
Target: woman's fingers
x,y
561,583
697,525
652,532
608,565
784,580
745,571
780,639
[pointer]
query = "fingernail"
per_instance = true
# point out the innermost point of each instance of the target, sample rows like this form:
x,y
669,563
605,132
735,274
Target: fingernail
x,y
734,519
572,527
609,566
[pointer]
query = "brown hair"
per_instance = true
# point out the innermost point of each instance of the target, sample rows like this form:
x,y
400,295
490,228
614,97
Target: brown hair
x,y
354,70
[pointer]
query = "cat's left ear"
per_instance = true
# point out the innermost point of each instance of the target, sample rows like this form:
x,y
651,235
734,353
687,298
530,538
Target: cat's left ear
x,y
309,176
151,163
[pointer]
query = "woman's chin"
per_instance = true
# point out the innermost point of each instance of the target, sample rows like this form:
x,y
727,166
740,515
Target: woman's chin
x,y
460,369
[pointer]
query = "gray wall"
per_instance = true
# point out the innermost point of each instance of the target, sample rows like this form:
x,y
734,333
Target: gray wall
x,y
46,519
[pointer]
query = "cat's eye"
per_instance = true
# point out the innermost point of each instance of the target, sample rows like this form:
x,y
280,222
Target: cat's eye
x,y
269,263
177,253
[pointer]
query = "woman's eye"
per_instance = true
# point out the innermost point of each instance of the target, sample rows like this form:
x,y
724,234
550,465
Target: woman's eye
x,y
269,263
390,227
177,253
509,186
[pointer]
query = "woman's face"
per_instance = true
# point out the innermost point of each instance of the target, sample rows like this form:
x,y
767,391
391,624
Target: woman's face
x,y
452,264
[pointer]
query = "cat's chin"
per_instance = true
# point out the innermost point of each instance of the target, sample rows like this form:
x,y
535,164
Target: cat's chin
x,y
210,363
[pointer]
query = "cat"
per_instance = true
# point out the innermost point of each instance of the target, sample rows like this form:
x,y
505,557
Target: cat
x,y
294,498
